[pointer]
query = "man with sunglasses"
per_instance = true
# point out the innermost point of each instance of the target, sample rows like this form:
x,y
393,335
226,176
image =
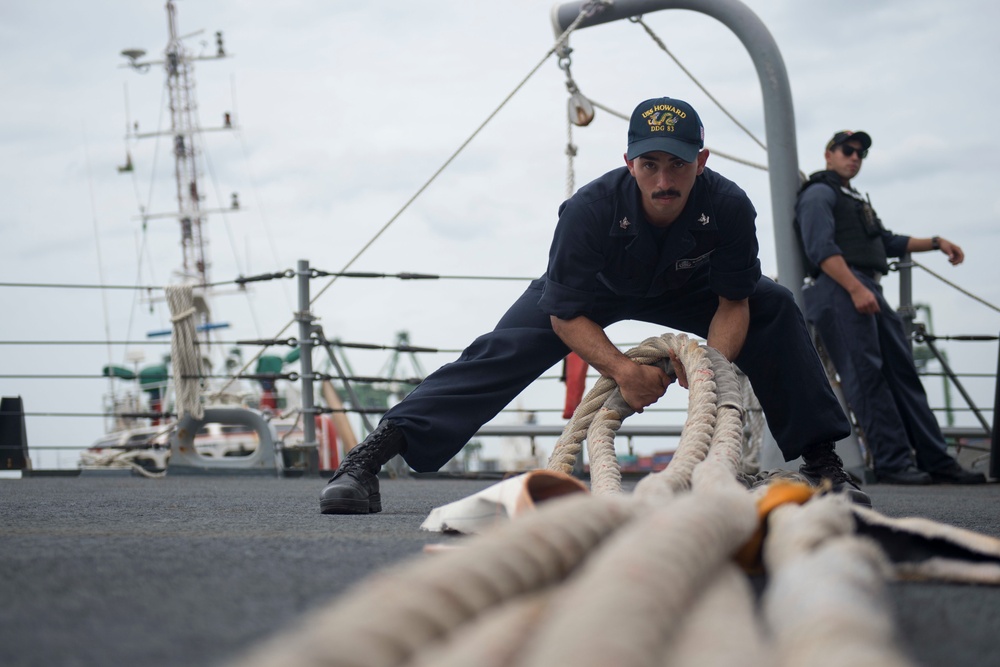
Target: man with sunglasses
x,y
846,249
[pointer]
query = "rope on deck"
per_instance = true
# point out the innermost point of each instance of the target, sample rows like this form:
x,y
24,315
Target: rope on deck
x,y
826,601
184,351
126,458
640,580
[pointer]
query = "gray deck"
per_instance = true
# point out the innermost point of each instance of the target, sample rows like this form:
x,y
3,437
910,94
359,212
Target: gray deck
x,y
192,570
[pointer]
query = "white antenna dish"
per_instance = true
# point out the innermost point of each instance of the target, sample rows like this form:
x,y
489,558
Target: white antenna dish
x,y
135,356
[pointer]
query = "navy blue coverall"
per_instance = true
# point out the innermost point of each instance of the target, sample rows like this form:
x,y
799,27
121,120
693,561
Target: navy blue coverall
x,y
608,263
870,352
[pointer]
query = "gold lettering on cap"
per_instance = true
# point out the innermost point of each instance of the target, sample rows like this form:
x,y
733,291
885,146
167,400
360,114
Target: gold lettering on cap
x,y
664,107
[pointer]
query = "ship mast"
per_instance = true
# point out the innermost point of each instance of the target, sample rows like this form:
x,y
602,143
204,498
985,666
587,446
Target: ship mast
x,y
180,84
185,135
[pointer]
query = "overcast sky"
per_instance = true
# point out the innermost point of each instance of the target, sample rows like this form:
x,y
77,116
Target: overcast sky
x,y
346,109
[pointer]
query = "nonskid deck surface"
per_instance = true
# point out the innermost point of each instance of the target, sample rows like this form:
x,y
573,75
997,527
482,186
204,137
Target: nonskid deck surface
x,y
193,570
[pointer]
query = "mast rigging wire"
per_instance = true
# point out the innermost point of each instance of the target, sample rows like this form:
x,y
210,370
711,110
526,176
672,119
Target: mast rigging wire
x,y
100,260
659,42
954,286
143,245
585,11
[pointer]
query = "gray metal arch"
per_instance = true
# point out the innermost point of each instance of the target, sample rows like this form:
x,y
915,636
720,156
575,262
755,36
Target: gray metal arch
x,y
779,116
782,150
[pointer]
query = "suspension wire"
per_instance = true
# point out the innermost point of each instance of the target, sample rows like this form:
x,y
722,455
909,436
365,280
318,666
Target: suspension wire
x,y
251,176
660,43
144,246
229,228
291,376
570,154
320,409
291,342
83,286
564,65
128,150
412,276
954,286
718,153
663,46
586,11
218,196
100,259
271,276
84,342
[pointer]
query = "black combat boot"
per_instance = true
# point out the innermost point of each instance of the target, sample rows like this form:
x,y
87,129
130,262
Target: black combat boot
x,y
353,489
909,476
821,462
956,474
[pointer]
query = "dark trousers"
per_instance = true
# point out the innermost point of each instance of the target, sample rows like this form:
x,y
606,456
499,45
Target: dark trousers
x,y
880,382
440,416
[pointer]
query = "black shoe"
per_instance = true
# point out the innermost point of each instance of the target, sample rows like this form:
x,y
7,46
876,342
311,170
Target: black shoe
x,y
956,474
353,489
909,476
822,463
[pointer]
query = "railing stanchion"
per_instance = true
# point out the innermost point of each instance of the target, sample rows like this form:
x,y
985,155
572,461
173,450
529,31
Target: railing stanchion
x,y
995,439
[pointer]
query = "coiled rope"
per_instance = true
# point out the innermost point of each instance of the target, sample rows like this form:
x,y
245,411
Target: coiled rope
x,y
126,459
184,353
600,414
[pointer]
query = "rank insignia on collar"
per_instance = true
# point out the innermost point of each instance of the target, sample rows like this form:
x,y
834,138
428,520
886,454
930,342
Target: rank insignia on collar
x,y
624,223
703,219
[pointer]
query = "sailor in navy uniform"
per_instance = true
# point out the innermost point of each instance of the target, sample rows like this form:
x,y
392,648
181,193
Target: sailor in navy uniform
x,y
662,240
846,249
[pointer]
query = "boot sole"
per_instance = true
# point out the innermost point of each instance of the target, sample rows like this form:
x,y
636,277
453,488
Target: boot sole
x,y
372,505
949,480
902,481
856,496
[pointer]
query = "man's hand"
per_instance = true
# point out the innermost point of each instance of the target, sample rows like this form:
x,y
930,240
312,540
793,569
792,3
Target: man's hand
x,y
864,300
955,254
640,385
643,385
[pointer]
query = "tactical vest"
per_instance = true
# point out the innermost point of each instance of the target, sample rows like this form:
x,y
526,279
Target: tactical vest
x,y
857,229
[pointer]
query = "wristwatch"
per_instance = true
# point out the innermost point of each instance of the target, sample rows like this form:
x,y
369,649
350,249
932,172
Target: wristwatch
x,y
936,242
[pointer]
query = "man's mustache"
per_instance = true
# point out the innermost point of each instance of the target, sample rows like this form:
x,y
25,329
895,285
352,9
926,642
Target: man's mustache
x,y
666,193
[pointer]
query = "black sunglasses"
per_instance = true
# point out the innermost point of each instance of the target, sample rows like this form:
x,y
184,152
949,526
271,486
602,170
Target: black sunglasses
x,y
848,151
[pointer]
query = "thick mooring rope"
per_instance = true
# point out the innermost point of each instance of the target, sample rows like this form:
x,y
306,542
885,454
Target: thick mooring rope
x,y
714,422
646,579
727,602
599,415
400,611
826,600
